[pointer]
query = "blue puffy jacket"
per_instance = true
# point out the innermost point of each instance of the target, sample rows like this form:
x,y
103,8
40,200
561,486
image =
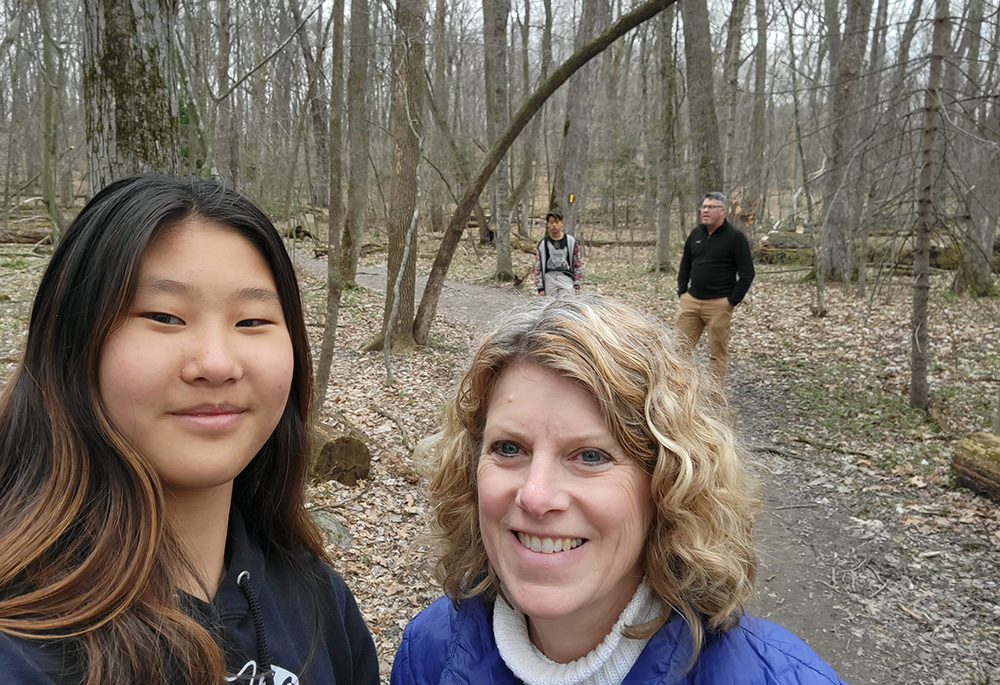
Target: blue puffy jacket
x,y
442,645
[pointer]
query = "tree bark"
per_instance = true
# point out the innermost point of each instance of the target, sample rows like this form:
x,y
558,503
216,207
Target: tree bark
x,y
571,169
756,197
334,281
358,140
919,340
129,88
495,14
446,251
662,257
406,129
50,116
975,273
835,257
701,105
439,96
317,106
227,144
731,78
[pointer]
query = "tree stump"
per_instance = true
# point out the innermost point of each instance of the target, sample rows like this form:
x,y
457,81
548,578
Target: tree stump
x,y
976,464
339,455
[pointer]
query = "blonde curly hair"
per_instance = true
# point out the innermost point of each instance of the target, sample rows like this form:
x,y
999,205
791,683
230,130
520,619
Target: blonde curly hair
x,y
699,558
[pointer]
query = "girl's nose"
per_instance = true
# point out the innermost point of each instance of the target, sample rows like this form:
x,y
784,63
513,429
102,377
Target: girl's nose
x,y
544,490
213,359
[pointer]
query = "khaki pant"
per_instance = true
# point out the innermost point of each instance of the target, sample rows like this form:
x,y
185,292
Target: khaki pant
x,y
693,316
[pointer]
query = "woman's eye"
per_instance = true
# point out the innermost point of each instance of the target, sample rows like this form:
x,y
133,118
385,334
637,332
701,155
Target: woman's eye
x,y
251,323
594,457
505,448
160,317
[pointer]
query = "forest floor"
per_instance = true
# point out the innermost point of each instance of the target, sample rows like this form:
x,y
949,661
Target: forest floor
x,y
867,550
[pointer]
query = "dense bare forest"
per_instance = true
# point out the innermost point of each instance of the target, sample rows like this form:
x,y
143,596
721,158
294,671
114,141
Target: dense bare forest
x,y
812,115
858,142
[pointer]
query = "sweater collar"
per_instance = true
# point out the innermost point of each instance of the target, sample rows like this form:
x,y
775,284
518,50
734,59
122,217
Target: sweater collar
x,y
609,662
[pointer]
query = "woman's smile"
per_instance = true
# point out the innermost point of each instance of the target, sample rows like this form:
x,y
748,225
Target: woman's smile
x,y
547,545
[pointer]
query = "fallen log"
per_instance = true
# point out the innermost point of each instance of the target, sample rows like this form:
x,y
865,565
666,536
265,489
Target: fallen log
x,y
26,236
976,464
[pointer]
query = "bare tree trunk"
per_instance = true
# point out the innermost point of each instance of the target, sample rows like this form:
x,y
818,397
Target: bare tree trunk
x,y
358,140
334,282
701,106
797,121
873,90
317,105
975,273
835,256
446,251
227,148
495,14
293,159
534,130
571,169
439,97
919,341
407,134
50,115
731,79
129,88
756,197
663,259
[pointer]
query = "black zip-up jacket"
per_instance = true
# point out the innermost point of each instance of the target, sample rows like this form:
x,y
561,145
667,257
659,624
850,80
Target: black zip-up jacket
x,y
268,621
716,265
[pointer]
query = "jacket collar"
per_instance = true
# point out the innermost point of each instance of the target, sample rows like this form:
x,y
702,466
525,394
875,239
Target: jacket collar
x,y
722,227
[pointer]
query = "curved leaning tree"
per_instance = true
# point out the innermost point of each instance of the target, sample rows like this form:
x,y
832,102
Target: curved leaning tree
x,y
446,251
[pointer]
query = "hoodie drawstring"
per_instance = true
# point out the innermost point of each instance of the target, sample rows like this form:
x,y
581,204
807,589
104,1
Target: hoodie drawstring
x,y
243,581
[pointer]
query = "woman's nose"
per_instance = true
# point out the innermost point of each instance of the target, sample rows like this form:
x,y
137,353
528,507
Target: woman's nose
x,y
544,490
211,358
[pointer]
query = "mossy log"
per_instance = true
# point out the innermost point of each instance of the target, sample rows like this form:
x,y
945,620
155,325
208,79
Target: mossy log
x,y
786,240
976,464
784,255
339,455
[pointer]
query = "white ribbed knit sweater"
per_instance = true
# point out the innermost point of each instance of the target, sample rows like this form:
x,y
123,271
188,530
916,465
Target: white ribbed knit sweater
x,y
606,664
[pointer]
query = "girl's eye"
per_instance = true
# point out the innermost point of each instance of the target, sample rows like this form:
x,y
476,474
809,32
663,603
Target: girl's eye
x,y
505,448
251,323
594,457
160,317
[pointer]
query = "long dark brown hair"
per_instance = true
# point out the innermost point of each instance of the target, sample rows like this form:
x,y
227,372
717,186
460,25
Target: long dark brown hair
x,y
85,552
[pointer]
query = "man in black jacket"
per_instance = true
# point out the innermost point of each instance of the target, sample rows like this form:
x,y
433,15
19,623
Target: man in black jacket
x,y
715,273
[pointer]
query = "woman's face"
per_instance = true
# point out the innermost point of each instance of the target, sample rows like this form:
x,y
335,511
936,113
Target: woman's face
x,y
198,374
563,510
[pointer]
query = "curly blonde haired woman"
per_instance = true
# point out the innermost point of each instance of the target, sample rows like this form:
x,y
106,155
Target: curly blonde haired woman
x,y
594,517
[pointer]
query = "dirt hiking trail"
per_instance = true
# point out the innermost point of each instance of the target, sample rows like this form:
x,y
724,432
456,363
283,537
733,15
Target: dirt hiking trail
x,y
838,582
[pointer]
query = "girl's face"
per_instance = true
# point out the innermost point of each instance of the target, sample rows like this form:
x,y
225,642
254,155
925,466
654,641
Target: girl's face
x,y
198,374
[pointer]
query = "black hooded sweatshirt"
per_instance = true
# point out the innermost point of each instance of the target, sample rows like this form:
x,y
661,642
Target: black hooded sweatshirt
x,y
268,620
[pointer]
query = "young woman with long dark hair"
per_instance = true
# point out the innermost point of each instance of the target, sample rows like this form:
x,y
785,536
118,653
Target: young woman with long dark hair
x,y
153,455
